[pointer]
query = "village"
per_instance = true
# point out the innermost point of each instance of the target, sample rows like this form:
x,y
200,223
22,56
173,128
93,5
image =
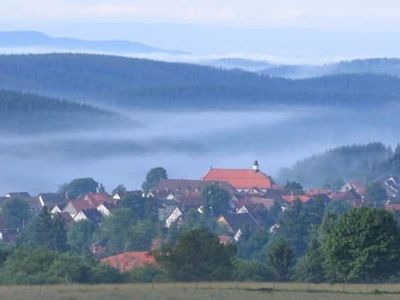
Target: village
x,y
255,201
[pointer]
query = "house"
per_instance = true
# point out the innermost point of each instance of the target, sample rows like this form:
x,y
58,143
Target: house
x,y
65,218
350,196
225,239
19,195
106,208
89,214
236,223
34,204
187,186
392,187
165,209
97,199
51,200
174,217
2,227
241,179
58,208
291,198
75,206
353,186
128,261
392,207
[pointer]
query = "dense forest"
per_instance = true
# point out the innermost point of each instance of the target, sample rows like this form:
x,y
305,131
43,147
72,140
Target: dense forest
x,y
28,113
385,66
355,162
128,82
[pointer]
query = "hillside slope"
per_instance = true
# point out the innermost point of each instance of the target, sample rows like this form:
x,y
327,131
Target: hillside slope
x,y
28,113
128,82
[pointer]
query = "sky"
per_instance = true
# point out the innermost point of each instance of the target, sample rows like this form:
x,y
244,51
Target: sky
x,y
285,31
253,13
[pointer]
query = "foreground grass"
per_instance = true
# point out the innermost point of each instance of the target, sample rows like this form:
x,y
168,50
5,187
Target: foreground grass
x,y
208,291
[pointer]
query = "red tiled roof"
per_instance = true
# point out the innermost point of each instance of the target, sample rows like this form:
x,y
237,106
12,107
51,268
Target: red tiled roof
x,y
225,239
316,192
81,204
392,207
97,198
240,178
292,198
129,260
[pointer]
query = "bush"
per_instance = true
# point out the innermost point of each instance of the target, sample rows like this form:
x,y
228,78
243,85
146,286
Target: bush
x,y
251,270
147,274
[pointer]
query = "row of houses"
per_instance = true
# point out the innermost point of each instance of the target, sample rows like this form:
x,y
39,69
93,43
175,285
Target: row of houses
x,y
252,194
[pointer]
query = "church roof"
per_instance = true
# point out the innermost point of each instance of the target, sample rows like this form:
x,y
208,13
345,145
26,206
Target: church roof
x,y
240,178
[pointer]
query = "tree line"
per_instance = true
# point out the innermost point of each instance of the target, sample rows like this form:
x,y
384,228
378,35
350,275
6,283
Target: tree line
x,y
142,83
316,241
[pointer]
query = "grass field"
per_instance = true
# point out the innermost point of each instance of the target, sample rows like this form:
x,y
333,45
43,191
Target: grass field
x,y
208,291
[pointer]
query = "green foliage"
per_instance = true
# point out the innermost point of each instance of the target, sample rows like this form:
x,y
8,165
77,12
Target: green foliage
x,y
78,187
122,232
310,268
251,270
215,200
293,186
16,213
252,245
119,189
198,255
147,274
80,236
356,162
375,195
280,259
363,247
46,232
153,177
295,223
27,113
46,267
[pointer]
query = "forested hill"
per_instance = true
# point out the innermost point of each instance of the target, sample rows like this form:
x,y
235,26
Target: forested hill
x,y
383,66
128,82
28,113
354,162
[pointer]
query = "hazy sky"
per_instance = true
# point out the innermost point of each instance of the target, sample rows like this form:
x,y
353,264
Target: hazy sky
x,y
300,31
259,13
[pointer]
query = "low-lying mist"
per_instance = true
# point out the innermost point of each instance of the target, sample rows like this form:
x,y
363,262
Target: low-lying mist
x,y
187,144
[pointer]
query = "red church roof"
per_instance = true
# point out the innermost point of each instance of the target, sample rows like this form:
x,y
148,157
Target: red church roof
x,y
240,179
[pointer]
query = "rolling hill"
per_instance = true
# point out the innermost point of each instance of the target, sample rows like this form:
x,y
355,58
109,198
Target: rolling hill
x,y
383,66
28,113
139,83
29,40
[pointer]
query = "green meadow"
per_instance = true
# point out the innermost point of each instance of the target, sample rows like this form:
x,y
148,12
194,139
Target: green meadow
x,y
200,291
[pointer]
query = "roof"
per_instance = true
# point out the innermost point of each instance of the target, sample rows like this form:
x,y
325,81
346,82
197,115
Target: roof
x,y
65,217
240,178
292,198
351,195
81,204
129,260
2,222
188,185
34,203
97,198
18,195
52,199
239,221
267,203
392,207
93,215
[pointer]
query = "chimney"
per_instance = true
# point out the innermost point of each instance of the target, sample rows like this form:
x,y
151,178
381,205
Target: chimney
x,y
256,167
